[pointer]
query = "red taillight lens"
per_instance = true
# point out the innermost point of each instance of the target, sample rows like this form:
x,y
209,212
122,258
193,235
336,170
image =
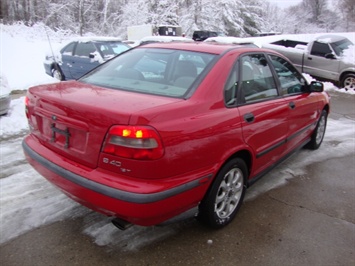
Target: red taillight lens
x,y
26,107
134,142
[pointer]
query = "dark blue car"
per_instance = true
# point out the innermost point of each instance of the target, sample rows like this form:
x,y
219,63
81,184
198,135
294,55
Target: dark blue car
x,y
79,57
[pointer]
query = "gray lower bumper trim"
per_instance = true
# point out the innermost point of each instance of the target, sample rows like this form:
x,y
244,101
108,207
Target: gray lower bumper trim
x,y
109,191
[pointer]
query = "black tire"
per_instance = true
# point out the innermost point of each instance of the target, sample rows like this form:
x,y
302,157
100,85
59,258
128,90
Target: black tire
x,y
319,131
225,196
57,73
348,82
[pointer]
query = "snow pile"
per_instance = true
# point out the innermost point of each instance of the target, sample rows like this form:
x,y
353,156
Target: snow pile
x,y
15,122
21,60
4,86
349,55
228,40
38,31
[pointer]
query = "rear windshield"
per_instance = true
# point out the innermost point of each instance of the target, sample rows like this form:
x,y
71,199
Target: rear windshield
x,y
165,72
110,49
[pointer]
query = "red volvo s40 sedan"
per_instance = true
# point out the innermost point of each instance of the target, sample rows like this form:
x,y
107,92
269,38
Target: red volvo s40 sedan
x,y
164,128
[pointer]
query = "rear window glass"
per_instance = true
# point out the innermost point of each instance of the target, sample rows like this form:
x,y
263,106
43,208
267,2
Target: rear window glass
x,y
163,72
110,49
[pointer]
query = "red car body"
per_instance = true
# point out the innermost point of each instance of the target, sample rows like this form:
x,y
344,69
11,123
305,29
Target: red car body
x,y
188,139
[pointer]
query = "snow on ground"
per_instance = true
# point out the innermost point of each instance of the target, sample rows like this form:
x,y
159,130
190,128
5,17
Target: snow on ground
x,y
28,201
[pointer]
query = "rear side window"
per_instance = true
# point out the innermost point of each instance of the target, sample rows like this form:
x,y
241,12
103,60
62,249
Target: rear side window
x,y
164,72
290,79
84,49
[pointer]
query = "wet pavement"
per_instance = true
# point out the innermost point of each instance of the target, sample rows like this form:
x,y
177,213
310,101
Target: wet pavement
x,y
308,220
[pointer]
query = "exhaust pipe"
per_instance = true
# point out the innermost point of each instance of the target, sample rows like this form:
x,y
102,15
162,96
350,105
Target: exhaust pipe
x,y
121,224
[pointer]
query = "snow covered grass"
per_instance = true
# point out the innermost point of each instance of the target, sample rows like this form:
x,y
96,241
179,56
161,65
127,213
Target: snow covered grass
x,y
28,201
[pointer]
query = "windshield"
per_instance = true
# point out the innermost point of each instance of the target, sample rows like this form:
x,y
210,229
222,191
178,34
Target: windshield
x,y
340,46
164,72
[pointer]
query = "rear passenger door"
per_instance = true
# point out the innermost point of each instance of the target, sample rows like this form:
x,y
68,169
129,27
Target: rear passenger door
x,y
83,61
303,105
67,58
263,111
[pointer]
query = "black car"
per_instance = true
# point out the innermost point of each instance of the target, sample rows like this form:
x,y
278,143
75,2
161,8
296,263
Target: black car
x,y
201,35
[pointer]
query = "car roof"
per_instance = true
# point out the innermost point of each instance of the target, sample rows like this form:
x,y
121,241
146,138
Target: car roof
x,y
229,40
330,38
97,39
204,47
166,39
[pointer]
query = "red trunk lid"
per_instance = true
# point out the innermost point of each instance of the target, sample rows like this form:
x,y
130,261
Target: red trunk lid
x,y
72,118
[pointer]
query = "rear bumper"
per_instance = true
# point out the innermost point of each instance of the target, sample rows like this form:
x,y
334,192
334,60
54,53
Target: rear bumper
x,y
153,204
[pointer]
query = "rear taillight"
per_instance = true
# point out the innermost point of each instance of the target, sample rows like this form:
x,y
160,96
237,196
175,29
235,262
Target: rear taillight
x,y
134,142
26,107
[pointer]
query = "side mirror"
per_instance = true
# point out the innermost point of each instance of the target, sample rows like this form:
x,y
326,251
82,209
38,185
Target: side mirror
x,y
330,56
91,55
316,86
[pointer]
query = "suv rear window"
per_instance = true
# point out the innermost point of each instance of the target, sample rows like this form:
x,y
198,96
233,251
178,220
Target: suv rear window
x,y
165,72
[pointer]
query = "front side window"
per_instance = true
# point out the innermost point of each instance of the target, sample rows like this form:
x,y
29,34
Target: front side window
x,y
165,72
257,82
290,79
68,50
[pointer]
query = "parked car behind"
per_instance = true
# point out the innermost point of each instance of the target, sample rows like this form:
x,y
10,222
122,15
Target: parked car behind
x,y
231,40
5,98
144,144
153,39
79,57
322,58
201,35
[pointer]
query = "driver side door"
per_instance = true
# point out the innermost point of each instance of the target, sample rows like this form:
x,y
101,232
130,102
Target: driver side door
x,y
318,64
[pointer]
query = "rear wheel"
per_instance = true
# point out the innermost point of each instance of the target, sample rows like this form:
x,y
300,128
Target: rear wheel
x,y
318,134
225,196
57,73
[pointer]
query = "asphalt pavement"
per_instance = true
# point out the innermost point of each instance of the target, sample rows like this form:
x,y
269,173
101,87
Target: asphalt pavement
x,y
309,220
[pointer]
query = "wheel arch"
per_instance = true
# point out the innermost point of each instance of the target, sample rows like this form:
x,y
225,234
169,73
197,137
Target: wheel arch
x,y
245,155
56,66
342,75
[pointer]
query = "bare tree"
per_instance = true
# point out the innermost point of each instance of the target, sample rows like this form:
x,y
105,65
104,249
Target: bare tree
x,y
317,8
347,9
